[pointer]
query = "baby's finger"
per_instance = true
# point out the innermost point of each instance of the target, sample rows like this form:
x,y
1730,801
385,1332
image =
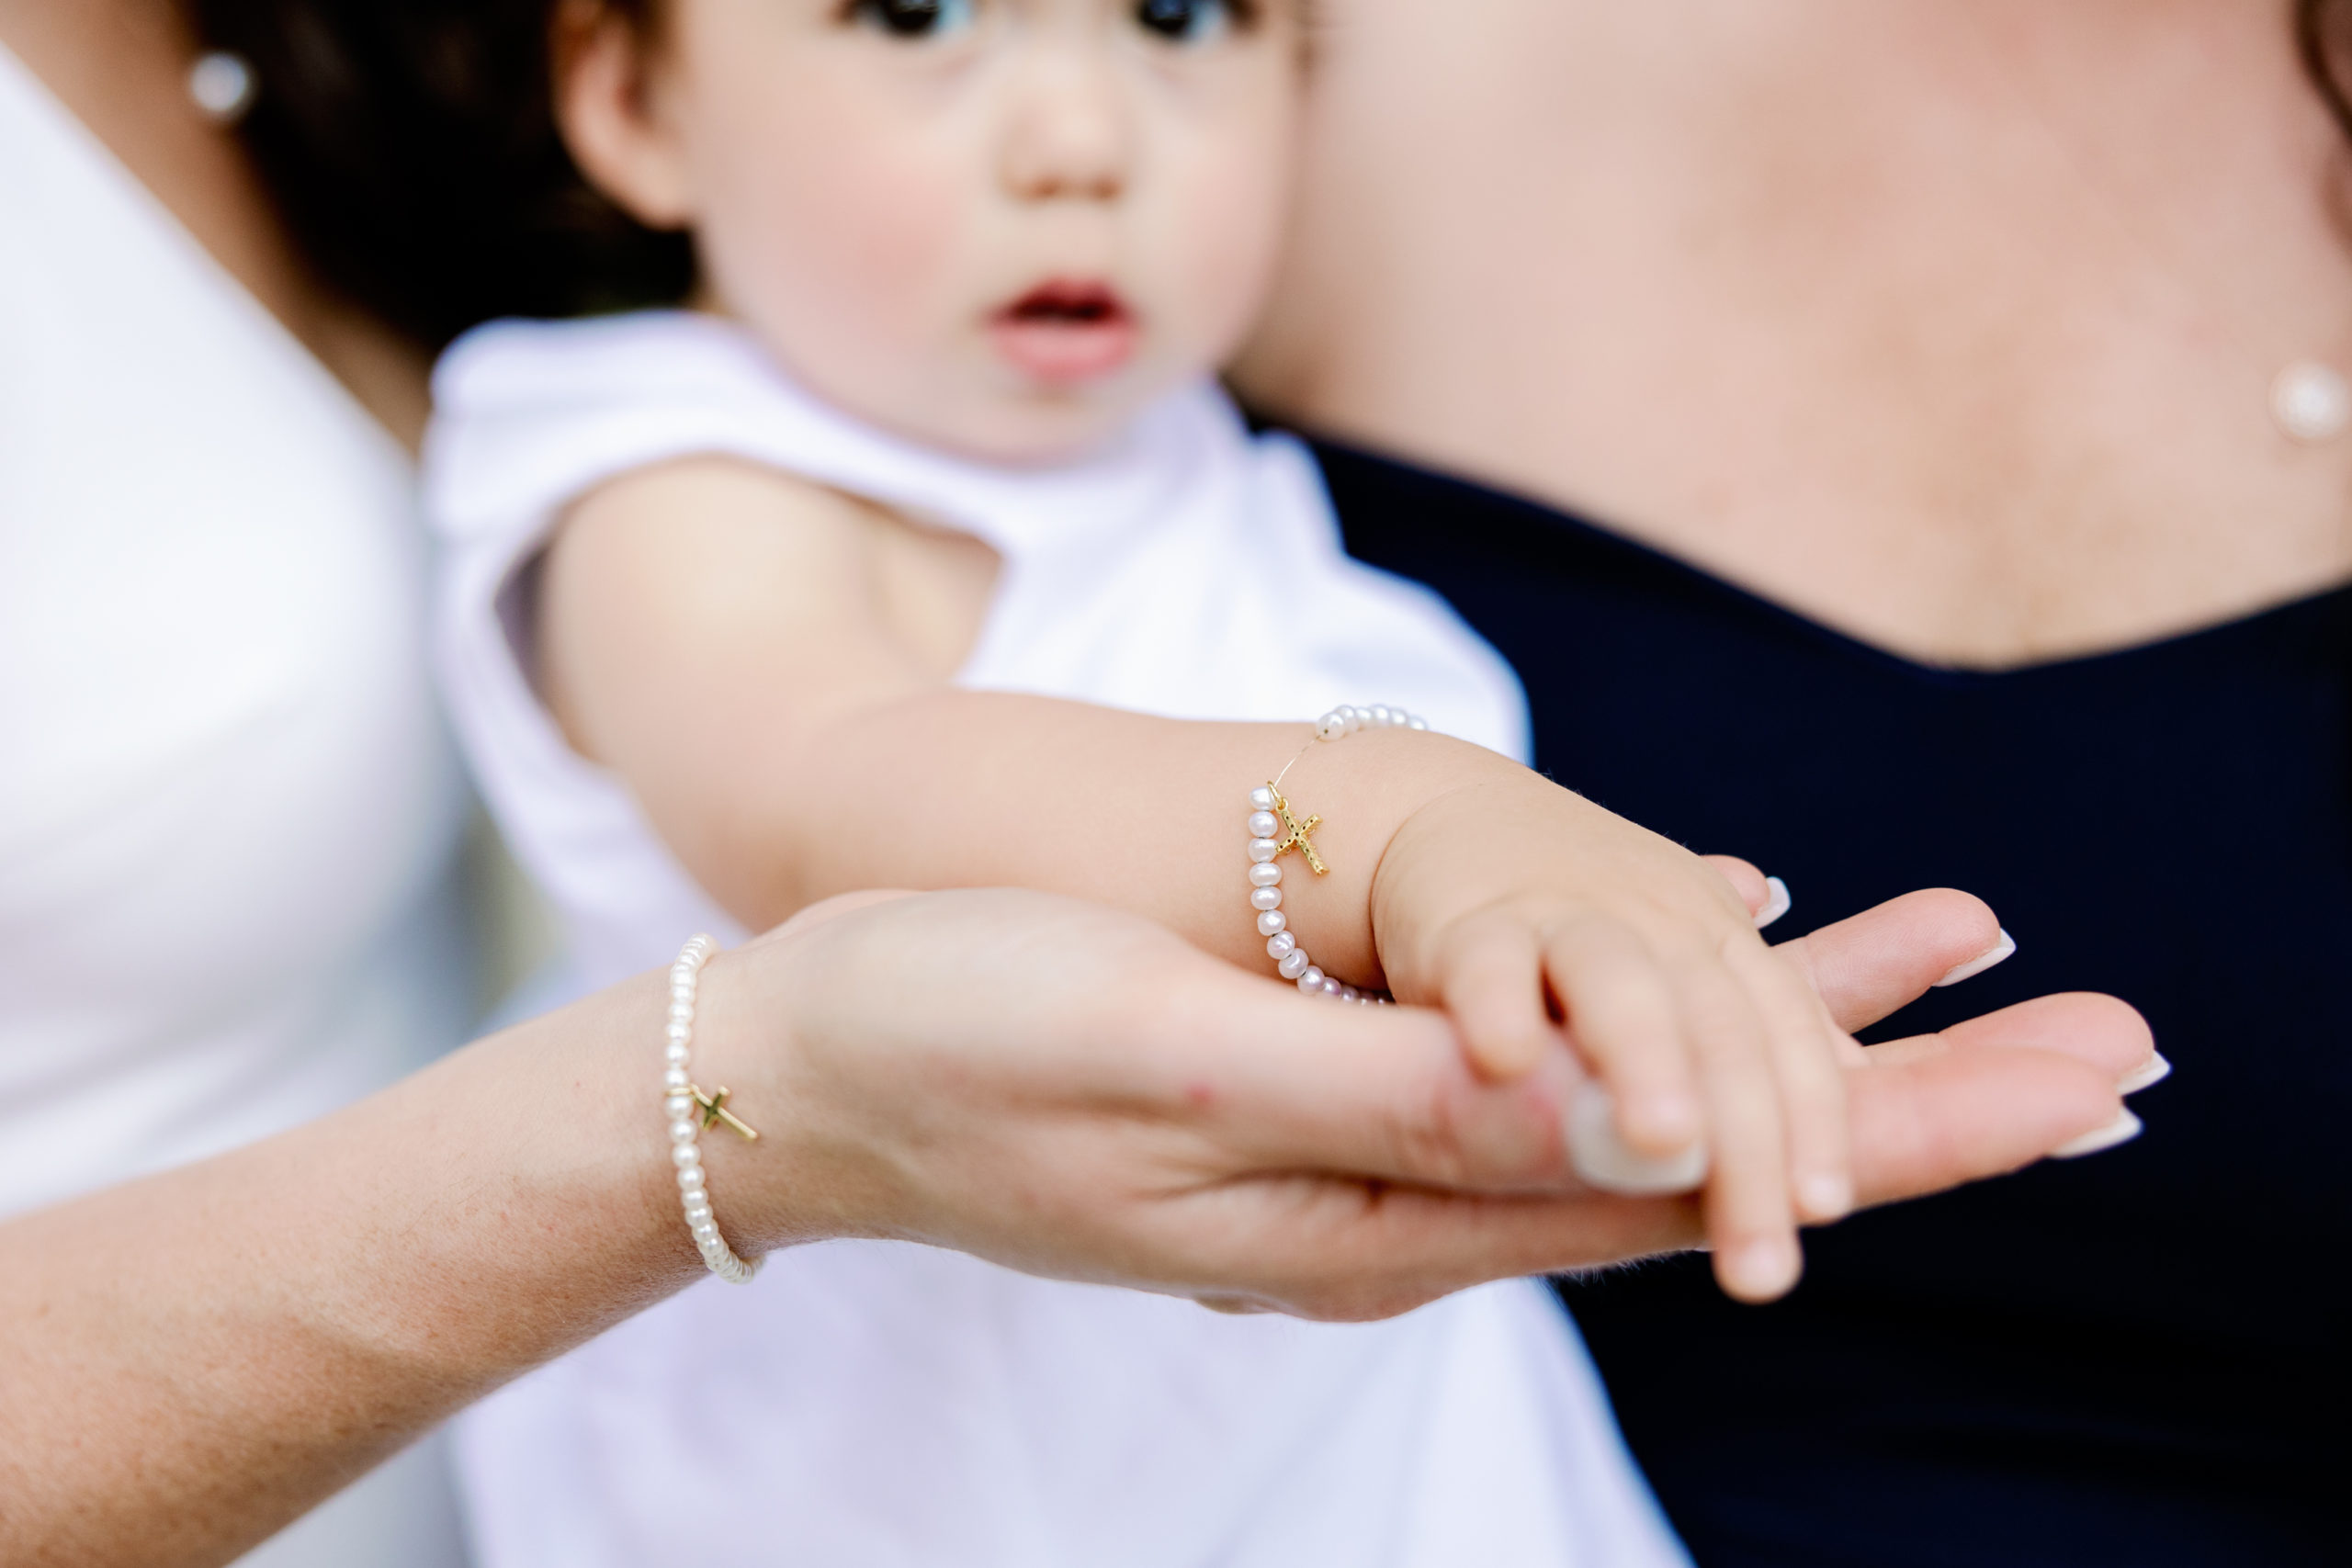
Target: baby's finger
x,y
1766,897
1749,1216
1755,889
1622,1016
1490,981
1808,1062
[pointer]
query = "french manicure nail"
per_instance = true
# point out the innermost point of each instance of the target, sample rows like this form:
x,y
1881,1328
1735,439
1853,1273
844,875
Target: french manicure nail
x,y
1774,907
1982,961
1602,1159
2155,1070
2123,1129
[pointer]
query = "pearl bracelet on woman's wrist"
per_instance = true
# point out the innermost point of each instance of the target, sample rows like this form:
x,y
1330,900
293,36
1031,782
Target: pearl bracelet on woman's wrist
x,y
1269,815
690,1110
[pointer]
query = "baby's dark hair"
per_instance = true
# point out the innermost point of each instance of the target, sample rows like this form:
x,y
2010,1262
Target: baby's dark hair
x,y
410,146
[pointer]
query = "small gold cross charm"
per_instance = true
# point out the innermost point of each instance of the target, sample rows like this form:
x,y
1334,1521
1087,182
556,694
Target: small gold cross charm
x,y
1297,839
715,1111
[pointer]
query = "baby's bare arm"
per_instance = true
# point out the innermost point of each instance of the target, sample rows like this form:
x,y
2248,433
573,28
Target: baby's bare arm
x,y
738,646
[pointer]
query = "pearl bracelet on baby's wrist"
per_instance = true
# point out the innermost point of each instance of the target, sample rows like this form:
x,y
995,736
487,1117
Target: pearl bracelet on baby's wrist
x,y
1270,815
691,1110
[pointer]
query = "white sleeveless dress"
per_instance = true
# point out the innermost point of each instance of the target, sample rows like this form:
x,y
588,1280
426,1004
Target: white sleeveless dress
x,y
873,1402
228,804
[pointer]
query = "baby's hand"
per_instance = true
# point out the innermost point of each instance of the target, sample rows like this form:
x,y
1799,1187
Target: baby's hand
x,y
1526,911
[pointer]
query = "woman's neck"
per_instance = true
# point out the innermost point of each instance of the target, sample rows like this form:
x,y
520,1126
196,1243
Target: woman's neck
x,y
1952,324
121,66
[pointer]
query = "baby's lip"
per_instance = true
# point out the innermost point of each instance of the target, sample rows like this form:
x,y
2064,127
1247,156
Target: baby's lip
x,y
1066,330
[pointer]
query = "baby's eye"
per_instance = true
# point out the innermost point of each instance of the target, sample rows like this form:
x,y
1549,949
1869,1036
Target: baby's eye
x,y
1188,21
914,19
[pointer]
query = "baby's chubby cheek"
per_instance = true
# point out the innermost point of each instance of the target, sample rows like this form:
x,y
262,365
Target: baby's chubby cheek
x,y
849,268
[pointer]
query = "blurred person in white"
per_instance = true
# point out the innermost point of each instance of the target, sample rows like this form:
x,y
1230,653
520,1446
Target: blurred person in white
x,y
229,811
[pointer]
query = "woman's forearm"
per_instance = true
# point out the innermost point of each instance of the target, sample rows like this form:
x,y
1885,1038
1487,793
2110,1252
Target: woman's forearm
x,y
189,1361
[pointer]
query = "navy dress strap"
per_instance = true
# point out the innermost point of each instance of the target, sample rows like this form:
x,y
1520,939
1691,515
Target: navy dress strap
x,y
2138,1358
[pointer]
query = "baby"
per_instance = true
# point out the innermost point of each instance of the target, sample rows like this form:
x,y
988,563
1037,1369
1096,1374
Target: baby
x,y
921,550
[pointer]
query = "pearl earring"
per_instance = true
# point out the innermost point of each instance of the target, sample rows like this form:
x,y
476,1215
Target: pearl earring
x,y
222,85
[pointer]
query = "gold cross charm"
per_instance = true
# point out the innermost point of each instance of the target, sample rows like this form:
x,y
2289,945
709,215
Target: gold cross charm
x,y
715,1111
1297,839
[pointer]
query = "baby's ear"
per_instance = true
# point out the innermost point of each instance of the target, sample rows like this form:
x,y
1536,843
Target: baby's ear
x,y
610,99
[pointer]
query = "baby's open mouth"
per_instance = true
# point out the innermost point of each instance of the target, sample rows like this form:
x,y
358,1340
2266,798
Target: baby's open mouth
x,y
1066,330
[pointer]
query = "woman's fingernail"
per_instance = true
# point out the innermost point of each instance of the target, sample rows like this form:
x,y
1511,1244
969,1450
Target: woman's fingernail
x,y
1602,1160
1761,1268
1825,1196
1982,961
2155,1070
1774,907
2123,1129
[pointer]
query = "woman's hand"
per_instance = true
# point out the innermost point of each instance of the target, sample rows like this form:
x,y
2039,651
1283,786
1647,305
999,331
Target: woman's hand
x,y
192,1360
1077,1093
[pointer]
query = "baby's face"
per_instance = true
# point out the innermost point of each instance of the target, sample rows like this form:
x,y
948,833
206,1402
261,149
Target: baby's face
x,y
1000,226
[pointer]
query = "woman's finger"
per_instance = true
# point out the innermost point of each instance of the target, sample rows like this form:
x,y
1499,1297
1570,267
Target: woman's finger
x,y
1271,1079
2099,1031
1335,1249
1866,966
1949,1115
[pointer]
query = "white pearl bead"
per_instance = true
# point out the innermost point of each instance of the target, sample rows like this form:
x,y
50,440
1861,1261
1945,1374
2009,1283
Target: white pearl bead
x,y
1380,718
675,1054
1266,876
1353,717
1272,921
1262,850
677,1033
690,1180
706,1232
1266,898
698,1208
678,1105
1350,994
1280,945
686,1156
1417,722
1263,824
675,1078
1310,980
682,1131
1294,964
1331,987
2310,402
1331,725
1261,799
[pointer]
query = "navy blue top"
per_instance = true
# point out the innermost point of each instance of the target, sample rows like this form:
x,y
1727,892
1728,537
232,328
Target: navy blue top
x,y
2135,1358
